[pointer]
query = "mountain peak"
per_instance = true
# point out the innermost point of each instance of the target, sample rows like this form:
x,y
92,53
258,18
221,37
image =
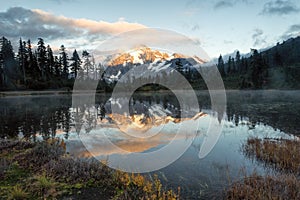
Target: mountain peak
x,y
143,55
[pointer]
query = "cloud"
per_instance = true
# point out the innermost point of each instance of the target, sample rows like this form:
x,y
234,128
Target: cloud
x,y
195,27
88,34
223,4
293,31
20,22
63,1
191,11
228,42
295,27
228,3
257,33
193,7
258,38
88,26
279,7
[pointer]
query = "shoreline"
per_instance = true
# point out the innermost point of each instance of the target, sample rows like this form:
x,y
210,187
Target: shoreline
x,y
71,92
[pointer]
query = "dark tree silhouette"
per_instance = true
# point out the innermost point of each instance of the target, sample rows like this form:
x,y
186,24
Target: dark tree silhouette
x,y
50,61
238,62
8,66
221,65
22,60
258,69
76,64
229,67
41,57
64,62
86,63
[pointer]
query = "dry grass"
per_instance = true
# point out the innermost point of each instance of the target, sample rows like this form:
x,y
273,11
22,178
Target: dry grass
x,y
257,187
48,173
280,154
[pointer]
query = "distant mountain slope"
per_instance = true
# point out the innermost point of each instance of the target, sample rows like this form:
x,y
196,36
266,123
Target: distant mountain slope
x,y
286,53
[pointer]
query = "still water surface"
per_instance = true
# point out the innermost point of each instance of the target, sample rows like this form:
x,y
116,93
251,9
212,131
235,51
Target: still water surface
x,y
85,128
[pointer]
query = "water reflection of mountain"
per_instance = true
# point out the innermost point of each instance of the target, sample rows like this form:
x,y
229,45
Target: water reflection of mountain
x,y
52,115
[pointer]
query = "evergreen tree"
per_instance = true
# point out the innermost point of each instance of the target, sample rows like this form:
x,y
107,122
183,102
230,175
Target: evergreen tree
x,y
76,64
229,67
86,62
22,59
57,67
29,60
8,65
233,65
50,61
278,59
221,65
238,62
64,62
258,69
41,58
93,69
2,74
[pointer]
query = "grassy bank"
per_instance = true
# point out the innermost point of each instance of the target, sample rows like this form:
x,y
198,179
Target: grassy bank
x,y
255,187
277,154
43,171
280,154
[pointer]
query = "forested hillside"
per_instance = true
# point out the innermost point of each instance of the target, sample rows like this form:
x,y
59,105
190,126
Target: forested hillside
x,y
275,68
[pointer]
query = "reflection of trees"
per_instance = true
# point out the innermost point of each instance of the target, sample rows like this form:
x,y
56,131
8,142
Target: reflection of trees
x,y
278,109
48,116
90,119
101,111
66,121
31,116
78,115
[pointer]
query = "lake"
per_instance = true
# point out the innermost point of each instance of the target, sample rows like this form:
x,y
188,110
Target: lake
x,y
155,122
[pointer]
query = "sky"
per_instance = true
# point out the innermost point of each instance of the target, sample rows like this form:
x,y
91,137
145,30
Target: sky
x,y
218,26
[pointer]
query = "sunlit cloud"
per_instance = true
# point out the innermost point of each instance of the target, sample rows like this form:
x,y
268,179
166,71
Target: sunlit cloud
x,y
19,22
86,25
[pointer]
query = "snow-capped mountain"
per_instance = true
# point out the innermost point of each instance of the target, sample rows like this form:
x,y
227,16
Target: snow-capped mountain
x,y
150,59
141,55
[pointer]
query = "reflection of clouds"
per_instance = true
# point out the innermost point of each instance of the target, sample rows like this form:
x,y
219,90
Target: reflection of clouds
x,y
96,143
96,148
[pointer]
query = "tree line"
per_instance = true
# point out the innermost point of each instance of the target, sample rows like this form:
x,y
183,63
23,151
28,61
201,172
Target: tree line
x,y
252,71
260,69
39,68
